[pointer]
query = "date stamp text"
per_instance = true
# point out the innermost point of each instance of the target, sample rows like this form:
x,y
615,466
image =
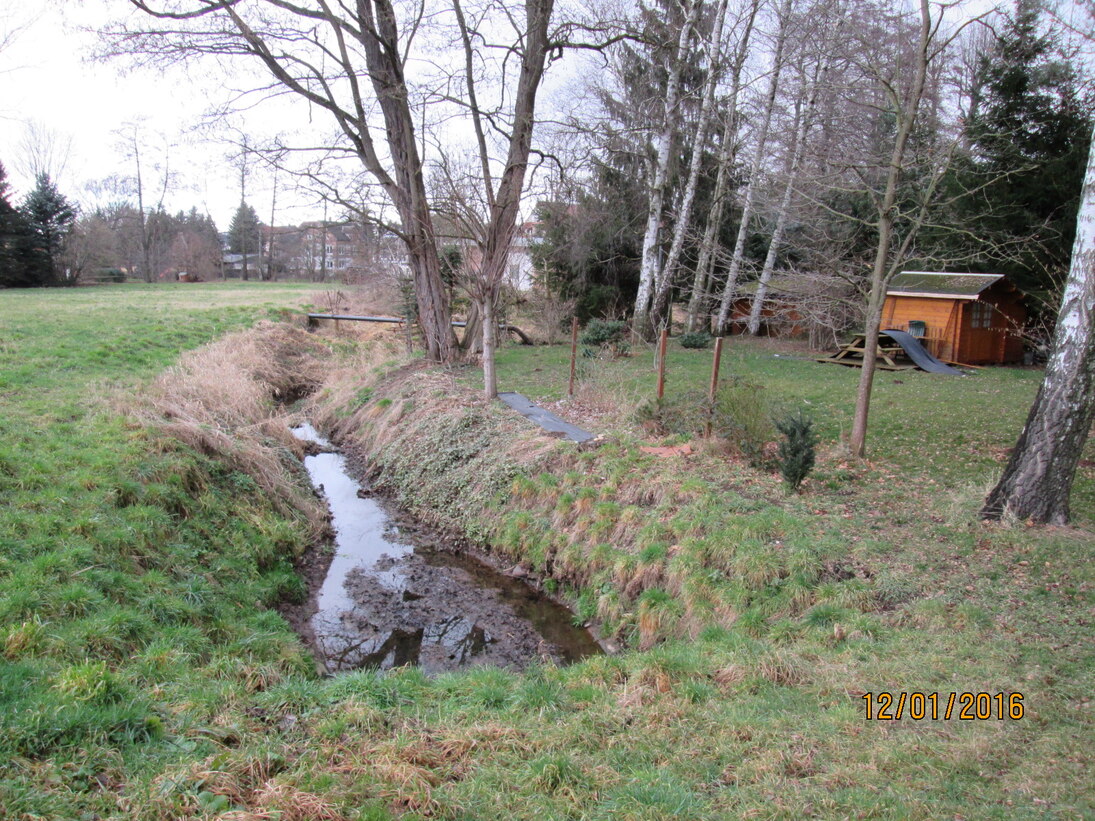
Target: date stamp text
x,y
918,706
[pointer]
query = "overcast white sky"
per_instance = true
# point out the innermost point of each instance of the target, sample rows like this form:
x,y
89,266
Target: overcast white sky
x,y
46,79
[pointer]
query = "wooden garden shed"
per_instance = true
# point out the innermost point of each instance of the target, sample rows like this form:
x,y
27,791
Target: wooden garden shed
x,y
976,319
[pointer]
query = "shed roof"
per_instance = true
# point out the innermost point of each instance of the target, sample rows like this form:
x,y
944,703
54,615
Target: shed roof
x,y
795,285
941,285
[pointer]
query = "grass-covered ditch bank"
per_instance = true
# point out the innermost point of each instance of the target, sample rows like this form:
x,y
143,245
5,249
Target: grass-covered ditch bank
x,y
139,570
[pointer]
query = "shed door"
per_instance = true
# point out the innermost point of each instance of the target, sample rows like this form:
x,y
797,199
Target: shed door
x,y
979,336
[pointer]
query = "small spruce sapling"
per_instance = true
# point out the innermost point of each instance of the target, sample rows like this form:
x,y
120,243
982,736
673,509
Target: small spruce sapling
x,y
796,451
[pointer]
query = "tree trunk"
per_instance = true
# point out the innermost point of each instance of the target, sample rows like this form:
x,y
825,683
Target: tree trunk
x,y
1038,478
429,292
472,342
906,117
701,281
146,246
781,225
802,128
641,324
490,330
273,214
660,311
505,202
754,172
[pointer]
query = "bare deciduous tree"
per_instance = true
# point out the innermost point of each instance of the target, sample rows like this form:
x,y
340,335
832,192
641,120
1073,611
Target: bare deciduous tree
x,y
759,153
322,52
904,90
150,183
659,179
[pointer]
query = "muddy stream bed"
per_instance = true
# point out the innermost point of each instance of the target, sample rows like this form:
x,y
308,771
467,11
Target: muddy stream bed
x,y
396,592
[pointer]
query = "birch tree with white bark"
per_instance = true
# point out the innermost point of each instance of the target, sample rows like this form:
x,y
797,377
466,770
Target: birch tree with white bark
x,y
760,149
702,276
642,321
817,51
1037,481
667,268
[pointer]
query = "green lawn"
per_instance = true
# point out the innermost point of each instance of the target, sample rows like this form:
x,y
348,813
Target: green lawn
x,y
949,430
143,675
127,574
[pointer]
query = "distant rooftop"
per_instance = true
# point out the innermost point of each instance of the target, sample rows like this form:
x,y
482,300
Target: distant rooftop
x,y
928,283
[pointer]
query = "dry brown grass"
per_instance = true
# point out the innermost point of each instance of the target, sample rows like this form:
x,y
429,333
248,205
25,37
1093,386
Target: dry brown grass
x,y
223,399
593,402
285,803
339,407
378,297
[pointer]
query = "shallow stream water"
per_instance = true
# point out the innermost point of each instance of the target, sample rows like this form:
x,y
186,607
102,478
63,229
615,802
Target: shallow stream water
x,y
396,593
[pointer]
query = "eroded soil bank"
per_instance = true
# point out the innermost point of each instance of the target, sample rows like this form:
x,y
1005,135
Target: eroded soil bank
x,y
393,591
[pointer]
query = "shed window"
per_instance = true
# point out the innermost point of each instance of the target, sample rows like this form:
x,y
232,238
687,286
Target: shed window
x,y
982,315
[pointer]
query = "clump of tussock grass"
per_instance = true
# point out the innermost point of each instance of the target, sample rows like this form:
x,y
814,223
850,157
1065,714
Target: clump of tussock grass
x,y
237,785
557,774
222,400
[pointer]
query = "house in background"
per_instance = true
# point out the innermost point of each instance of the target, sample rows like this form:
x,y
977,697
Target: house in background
x,y
797,304
232,266
971,318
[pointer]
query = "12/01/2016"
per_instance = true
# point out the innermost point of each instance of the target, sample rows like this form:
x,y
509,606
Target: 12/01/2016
x,y
886,706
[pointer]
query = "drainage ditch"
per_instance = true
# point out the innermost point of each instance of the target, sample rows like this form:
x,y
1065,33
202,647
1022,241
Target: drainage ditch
x,y
399,593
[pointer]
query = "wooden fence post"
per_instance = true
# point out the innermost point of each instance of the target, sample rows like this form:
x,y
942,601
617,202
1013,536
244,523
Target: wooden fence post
x,y
661,363
573,354
713,391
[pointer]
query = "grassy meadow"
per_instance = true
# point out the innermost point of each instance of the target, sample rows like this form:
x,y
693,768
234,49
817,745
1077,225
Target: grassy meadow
x,y
144,673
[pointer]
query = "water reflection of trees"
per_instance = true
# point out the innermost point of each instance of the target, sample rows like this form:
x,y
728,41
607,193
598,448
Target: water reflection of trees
x,y
346,649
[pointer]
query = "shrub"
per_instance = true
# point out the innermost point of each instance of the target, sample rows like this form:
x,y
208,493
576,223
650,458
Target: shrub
x,y
695,339
740,415
605,334
796,451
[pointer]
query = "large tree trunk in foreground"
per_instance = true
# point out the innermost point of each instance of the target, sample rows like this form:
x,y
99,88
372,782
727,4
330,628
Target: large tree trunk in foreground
x,y
490,329
1038,478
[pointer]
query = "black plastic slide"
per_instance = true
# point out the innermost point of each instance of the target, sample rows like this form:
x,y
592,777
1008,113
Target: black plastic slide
x,y
915,351
545,418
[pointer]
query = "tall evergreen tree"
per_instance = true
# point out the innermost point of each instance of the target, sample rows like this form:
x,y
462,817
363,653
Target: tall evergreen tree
x,y
1029,135
244,235
50,217
20,265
